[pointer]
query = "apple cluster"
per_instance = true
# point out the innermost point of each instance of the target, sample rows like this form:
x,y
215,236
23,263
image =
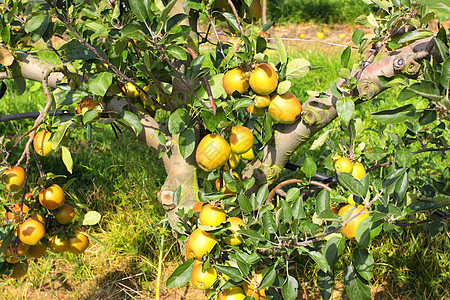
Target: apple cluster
x,y
263,80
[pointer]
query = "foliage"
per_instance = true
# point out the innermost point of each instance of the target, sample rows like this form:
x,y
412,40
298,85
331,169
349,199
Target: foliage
x,y
139,62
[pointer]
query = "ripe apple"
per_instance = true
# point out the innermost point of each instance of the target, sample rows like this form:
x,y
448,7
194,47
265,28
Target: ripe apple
x,y
58,245
358,170
343,165
65,214
14,178
203,279
212,152
42,144
241,139
199,243
19,270
285,109
37,251
249,288
262,101
79,243
235,80
236,224
31,231
87,104
255,111
52,197
264,79
14,215
349,230
212,216
233,293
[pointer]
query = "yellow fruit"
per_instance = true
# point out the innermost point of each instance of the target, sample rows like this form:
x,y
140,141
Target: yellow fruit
x,y
358,171
38,217
42,144
255,111
198,206
334,209
79,243
241,139
65,214
233,161
250,154
18,270
236,224
233,293
235,80
88,104
350,200
37,250
285,109
14,216
249,288
212,152
264,79
31,231
336,157
223,186
343,165
350,229
52,197
262,101
320,35
131,91
58,245
203,280
212,216
14,178
199,243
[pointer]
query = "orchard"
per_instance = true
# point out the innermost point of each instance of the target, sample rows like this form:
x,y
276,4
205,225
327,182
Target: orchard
x,y
245,205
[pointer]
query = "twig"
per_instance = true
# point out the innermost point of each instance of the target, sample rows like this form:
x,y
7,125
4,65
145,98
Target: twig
x,y
233,8
215,31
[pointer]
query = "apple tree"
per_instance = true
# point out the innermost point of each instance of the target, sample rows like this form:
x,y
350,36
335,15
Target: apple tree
x,y
219,113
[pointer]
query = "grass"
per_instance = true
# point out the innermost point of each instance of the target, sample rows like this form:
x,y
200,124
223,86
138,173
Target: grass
x,y
120,178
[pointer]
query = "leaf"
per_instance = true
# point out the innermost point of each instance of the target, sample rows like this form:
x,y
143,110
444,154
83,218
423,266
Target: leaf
x,y
364,262
355,288
345,108
445,74
309,167
90,218
100,83
281,49
345,56
252,234
283,87
212,121
333,249
290,288
179,120
396,115
262,194
231,20
6,235
392,177
268,279
139,9
181,275
426,89
215,82
325,283
351,184
177,51
320,140
414,35
357,36
231,272
297,68
244,102
187,142
401,187
35,22
130,119
298,211
133,31
320,260
176,195
323,208
67,158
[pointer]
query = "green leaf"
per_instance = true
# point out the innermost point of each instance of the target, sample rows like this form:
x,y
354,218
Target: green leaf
x,y
352,184
426,89
165,12
283,87
59,134
290,288
90,218
177,195
320,140
99,83
393,177
445,74
130,119
231,272
285,211
345,108
216,85
396,115
174,21
179,120
268,278
357,37
252,234
345,56
323,208
133,31
262,194
320,260
423,206
138,7
355,288
231,20
6,235
212,121
181,275
364,262
35,22
297,68
244,102
335,91
325,283
187,142
281,49
298,211
292,195
333,249
90,116
415,35
309,167
67,158
20,84
177,51
401,187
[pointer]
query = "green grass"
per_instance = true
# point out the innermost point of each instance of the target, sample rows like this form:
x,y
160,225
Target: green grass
x,y
120,178
316,11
